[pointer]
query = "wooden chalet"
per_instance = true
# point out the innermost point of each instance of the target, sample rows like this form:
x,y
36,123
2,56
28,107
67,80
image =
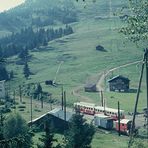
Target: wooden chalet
x,y
119,83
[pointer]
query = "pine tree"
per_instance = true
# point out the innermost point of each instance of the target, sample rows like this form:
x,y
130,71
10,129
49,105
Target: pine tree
x,y
26,70
48,138
80,133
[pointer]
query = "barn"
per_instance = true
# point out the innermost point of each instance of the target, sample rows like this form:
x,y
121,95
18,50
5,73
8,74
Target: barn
x,y
60,123
90,88
119,83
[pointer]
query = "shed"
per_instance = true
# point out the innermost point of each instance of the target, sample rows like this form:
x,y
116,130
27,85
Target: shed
x,y
119,83
90,88
103,121
57,118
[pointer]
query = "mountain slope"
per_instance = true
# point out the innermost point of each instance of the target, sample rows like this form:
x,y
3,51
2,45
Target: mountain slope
x,y
38,13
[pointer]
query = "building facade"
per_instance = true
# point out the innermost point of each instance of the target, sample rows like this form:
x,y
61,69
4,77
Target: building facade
x,y
119,83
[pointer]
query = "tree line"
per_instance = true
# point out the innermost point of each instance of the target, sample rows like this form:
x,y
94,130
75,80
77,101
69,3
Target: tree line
x,y
38,14
29,39
14,132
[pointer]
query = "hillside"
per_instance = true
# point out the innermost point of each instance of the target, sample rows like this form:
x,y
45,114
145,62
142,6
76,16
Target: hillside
x,y
82,63
37,13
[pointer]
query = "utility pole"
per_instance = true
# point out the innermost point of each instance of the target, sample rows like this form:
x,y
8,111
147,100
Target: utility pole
x,y
65,105
20,93
102,98
31,110
118,118
62,97
144,61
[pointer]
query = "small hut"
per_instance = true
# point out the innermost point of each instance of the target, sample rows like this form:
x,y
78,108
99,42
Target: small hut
x,y
90,88
119,83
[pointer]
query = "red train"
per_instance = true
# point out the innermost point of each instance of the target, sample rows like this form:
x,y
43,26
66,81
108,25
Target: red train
x,y
92,109
105,117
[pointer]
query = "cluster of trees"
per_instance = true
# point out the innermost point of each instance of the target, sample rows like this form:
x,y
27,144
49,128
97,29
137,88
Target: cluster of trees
x,y
38,13
14,132
29,39
137,22
4,74
78,135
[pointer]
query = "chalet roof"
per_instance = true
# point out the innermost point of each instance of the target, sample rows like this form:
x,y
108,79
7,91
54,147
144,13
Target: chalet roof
x,y
118,77
59,113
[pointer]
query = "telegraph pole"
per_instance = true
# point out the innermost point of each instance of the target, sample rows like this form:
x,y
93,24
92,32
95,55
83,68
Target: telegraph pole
x,y
62,97
118,118
65,105
145,58
146,61
20,93
31,110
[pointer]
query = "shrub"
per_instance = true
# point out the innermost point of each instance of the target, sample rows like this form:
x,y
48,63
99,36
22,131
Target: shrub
x,y
21,106
21,109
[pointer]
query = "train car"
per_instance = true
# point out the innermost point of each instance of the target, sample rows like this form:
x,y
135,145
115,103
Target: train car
x,y
113,113
125,125
86,108
103,121
91,109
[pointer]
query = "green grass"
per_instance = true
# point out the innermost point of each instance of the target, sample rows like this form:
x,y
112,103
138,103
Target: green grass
x,y
109,141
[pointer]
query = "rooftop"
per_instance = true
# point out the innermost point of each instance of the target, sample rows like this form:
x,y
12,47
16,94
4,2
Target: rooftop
x,y
118,77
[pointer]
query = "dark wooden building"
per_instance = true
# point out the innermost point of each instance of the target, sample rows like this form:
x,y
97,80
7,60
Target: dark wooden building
x,y
90,88
119,83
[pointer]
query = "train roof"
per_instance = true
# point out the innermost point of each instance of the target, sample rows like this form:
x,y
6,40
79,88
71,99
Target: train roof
x,y
108,109
102,116
85,104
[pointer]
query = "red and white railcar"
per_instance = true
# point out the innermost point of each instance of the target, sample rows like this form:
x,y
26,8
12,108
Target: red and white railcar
x,y
91,109
113,113
86,108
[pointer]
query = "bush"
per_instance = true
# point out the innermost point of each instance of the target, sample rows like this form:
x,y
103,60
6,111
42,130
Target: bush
x,y
37,110
21,106
6,110
2,102
13,107
21,109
